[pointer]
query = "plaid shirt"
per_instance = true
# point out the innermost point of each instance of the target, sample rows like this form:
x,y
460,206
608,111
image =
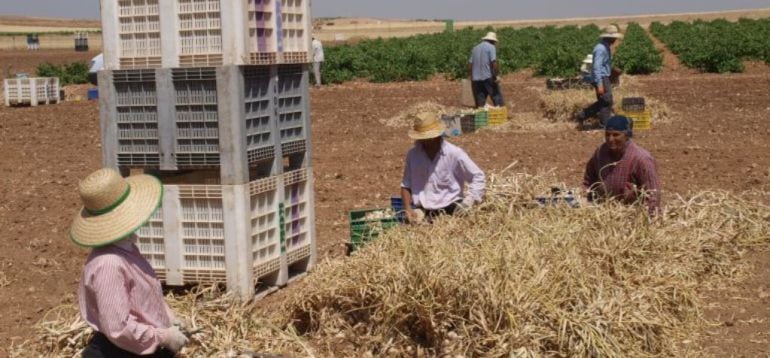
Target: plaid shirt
x,y
633,177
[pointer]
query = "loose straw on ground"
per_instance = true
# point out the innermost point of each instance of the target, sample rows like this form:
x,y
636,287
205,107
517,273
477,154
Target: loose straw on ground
x,y
505,280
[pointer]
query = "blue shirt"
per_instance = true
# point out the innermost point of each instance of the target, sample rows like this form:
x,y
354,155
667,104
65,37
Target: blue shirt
x,y
602,65
481,60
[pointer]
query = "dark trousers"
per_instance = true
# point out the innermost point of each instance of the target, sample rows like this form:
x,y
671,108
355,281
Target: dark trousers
x,y
602,108
488,87
101,347
432,214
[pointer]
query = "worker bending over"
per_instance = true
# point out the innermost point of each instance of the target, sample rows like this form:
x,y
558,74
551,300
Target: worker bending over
x,y
436,172
621,170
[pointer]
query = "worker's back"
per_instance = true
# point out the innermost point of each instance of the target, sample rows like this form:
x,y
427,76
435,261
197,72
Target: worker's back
x,y
482,57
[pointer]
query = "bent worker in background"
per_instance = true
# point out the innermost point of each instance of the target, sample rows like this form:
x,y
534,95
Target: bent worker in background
x,y
601,73
483,68
436,172
621,170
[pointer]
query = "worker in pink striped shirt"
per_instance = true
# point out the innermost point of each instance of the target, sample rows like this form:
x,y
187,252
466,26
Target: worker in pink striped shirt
x,y
436,172
622,170
119,295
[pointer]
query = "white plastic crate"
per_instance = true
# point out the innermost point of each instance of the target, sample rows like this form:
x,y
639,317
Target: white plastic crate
x,y
263,32
295,28
201,33
298,216
31,91
216,234
265,234
176,119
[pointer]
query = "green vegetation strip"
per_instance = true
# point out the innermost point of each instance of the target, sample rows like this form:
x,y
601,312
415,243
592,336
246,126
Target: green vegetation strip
x,y
637,54
716,46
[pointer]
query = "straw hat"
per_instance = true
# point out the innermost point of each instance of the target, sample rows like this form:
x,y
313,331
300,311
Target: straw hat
x,y
612,32
113,207
589,59
491,36
426,126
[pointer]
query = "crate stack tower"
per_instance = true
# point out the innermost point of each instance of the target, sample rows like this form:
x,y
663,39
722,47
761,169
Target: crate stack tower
x,y
212,97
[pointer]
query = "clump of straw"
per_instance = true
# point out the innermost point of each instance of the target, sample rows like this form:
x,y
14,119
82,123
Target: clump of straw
x,y
404,118
564,105
504,280
595,281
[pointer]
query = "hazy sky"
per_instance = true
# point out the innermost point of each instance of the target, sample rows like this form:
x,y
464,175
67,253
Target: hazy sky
x,y
432,9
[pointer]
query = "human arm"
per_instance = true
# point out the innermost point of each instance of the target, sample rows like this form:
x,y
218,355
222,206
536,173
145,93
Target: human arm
x,y
406,192
474,176
649,184
591,178
406,199
494,64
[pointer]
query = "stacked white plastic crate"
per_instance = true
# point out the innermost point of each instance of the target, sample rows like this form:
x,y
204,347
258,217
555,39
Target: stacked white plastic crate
x,y
212,97
32,91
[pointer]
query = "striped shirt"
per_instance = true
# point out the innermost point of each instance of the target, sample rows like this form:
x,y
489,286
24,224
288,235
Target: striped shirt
x,y
121,297
633,177
436,184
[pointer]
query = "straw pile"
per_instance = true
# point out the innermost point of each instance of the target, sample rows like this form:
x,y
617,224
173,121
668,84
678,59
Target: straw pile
x,y
505,280
564,105
404,118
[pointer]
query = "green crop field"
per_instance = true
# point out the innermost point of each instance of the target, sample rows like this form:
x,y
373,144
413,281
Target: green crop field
x,y
716,46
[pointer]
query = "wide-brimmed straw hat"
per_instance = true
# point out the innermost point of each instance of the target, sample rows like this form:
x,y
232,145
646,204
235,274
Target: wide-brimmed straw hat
x,y
589,59
491,36
611,32
113,207
426,126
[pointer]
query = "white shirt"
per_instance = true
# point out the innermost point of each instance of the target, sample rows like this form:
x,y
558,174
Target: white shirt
x,y
318,51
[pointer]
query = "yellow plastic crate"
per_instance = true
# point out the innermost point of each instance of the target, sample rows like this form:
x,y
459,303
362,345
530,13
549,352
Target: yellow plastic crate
x,y
642,120
498,115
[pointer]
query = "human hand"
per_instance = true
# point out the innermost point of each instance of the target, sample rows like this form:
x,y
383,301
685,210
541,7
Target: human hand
x,y
415,216
465,205
600,90
172,338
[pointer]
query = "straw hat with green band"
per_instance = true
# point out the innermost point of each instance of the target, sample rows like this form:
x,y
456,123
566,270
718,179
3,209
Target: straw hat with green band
x,y
113,207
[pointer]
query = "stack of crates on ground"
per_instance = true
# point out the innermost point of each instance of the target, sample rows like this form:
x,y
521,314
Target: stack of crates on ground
x,y
31,91
635,108
212,97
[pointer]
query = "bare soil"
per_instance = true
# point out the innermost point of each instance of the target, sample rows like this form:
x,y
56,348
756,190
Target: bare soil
x,y
716,140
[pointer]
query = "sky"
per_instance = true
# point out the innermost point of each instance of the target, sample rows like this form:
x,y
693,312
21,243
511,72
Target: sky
x,y
432,9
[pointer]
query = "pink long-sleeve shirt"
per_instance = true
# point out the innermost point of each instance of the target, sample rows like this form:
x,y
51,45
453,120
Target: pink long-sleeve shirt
x,y
121,297
437,183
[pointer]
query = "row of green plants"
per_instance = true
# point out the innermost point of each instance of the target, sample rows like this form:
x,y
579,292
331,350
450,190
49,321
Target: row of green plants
x,y
716,46
550,51
637,54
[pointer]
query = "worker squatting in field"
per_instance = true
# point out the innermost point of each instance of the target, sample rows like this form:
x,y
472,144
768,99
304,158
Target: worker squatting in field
x,y
435,173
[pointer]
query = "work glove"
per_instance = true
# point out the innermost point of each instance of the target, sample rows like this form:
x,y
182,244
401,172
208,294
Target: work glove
x,y
172,338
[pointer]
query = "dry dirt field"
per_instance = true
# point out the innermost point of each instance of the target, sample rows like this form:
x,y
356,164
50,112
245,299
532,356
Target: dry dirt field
x,y
346,29
716,139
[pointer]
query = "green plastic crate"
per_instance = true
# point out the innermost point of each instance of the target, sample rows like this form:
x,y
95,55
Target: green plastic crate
x,y
363,230
481,119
